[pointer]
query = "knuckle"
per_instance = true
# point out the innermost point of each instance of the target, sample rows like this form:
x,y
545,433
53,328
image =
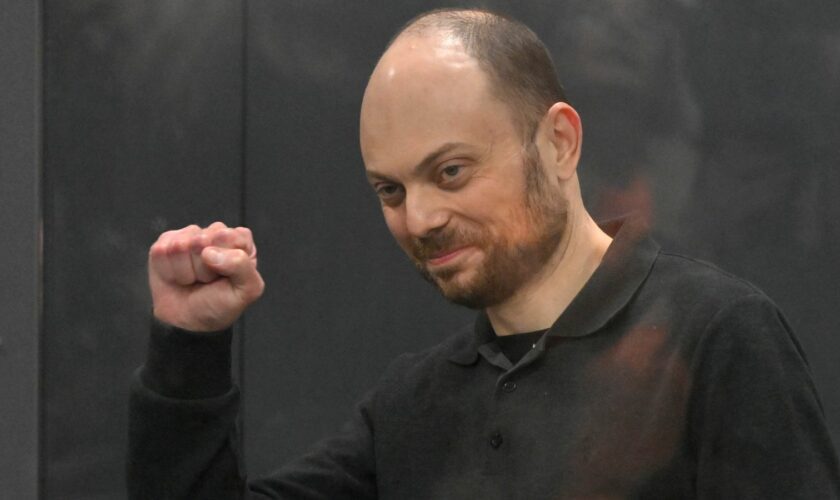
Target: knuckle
x,y
222,237
161,241
179,245
157,248
186,230
198,242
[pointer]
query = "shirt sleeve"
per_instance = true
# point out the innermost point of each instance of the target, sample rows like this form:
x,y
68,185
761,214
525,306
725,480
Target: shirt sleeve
x,y
184,441
756,422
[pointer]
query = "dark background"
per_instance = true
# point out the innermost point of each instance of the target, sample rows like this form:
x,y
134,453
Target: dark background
x,y
718,120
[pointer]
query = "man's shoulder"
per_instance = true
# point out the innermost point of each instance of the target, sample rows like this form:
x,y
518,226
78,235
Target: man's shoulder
x,y
699,280
696,297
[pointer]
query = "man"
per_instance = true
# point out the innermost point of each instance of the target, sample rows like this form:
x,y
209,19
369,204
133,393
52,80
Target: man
x,y
598,367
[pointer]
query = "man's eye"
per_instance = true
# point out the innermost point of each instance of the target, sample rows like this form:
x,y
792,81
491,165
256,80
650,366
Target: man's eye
x,y
387,191
450,171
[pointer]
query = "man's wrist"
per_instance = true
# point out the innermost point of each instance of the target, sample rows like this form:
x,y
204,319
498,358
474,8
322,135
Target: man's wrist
x,y
187,365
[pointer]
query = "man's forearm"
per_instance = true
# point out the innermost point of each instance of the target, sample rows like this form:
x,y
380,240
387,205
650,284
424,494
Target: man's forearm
x,y
182,419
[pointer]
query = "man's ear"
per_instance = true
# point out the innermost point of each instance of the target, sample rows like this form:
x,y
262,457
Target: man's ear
x,y
561,130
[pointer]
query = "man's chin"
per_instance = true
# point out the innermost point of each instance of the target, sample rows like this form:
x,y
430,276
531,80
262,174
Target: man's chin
x,y
465,297
444,277
456,285
459,290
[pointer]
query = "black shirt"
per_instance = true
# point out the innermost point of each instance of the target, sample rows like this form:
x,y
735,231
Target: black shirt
x,y
664,378
516,345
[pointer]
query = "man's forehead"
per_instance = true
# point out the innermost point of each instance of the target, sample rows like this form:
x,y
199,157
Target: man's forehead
x,y
427,92
420,85
414,58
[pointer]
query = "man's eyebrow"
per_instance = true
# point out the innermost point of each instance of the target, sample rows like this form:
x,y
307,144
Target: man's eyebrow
x,y
425,163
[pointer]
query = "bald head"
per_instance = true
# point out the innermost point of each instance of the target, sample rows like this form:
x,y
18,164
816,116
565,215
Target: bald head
x,y
426,91
517,64
471,153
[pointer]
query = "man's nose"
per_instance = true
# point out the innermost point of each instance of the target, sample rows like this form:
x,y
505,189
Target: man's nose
x,y
424,213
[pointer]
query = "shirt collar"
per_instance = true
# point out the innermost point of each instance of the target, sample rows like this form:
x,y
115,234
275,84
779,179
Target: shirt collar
x,y
624,268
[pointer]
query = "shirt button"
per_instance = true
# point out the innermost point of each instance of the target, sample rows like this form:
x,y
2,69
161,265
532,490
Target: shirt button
x,y
496,440
509,386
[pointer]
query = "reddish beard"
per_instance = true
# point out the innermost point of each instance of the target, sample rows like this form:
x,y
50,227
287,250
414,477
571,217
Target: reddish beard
x,y
507,264
443,241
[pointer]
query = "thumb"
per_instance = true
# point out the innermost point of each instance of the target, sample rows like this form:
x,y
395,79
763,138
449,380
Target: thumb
x,y
215,259
239,267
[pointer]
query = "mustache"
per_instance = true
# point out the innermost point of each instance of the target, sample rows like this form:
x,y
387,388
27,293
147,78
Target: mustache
x,y
423,248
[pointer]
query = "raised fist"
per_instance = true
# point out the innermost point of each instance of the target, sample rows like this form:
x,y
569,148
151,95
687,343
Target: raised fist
x,y
202,279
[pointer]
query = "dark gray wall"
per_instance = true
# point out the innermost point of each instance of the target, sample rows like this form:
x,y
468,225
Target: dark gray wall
x,y
765,202
716,120
20,177
143,133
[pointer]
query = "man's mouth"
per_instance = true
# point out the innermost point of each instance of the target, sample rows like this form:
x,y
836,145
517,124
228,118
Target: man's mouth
x,y
445,256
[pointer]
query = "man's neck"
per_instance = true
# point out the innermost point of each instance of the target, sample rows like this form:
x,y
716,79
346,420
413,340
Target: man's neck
x,y
539,303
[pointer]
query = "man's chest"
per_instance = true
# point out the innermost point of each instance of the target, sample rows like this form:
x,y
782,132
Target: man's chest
x,y
608,424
